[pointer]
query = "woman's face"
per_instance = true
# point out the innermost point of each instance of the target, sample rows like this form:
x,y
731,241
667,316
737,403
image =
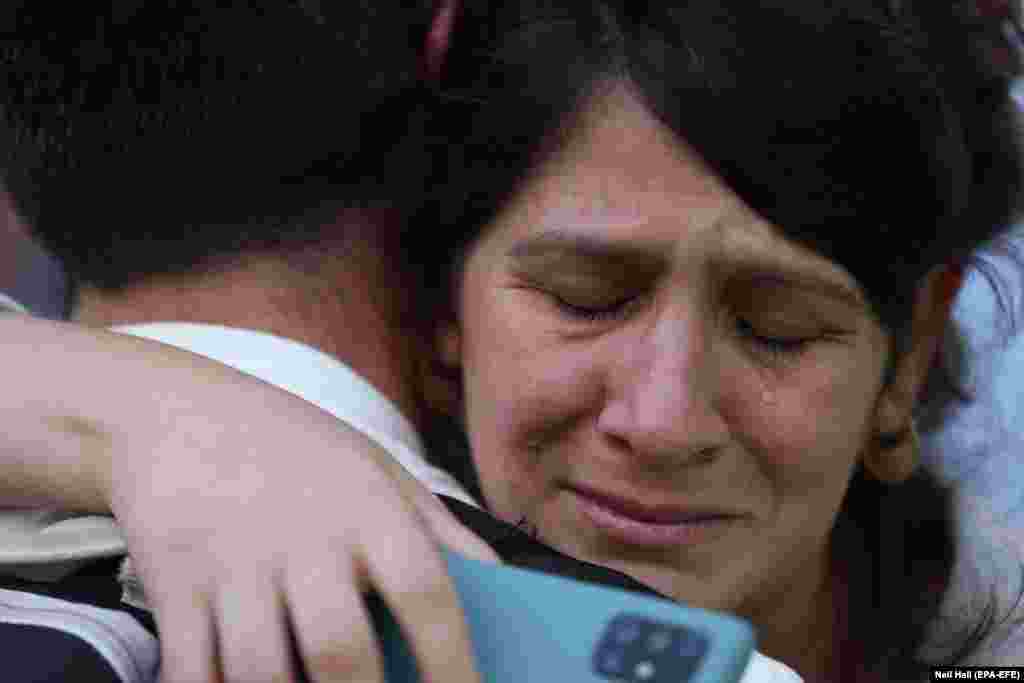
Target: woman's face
x,y
656,378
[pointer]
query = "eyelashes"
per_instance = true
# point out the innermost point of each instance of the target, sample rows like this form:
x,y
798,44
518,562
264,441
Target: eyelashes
x,y
775,346
613,311
778,347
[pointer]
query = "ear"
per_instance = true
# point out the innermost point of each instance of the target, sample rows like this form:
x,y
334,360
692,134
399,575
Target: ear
x,y
893,452
449,344
442,373
438,38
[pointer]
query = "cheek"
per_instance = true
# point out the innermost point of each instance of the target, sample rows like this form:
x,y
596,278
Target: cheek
x,y
808,427
520,389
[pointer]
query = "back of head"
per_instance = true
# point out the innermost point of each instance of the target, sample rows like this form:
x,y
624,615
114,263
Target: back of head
x,y
158,137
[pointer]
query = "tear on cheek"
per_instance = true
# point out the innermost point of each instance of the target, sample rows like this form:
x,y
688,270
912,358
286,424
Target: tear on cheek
x,y
802,431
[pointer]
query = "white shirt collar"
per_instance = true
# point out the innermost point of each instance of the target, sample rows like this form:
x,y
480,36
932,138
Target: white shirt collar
x,y
314,376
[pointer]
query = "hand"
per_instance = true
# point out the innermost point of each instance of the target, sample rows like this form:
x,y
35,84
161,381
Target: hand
x,y
257,522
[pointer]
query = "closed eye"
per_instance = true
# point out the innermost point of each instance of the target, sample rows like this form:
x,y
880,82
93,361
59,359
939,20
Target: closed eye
x,y
778,346
591,313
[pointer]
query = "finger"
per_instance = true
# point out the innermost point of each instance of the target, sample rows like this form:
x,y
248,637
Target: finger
x,y
454,536
330,624
410,574
252,630
446,527
188,645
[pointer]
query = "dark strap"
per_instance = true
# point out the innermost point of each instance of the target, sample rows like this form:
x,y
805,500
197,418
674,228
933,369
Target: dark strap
x,y
516,547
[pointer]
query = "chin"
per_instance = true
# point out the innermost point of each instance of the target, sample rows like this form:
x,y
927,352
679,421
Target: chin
x,y
708,592
659,570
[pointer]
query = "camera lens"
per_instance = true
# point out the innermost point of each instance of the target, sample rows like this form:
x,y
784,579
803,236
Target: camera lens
x,y
644,671
659,641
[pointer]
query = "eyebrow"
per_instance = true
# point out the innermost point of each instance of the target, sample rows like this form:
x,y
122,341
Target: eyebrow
x,y
554,246
628,260
791,276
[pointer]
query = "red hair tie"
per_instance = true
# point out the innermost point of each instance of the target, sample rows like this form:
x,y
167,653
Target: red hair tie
x,y
439,38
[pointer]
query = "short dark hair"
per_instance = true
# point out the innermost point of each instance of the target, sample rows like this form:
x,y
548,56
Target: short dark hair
x,y
876,133
154,137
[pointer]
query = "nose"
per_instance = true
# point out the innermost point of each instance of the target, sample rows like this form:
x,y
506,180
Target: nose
x,y
660,402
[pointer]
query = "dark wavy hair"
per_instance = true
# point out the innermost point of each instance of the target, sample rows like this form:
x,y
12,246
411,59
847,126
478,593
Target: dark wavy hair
x,y
878,134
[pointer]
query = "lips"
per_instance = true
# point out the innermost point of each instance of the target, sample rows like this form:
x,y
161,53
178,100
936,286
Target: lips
x,y
637,524
651,514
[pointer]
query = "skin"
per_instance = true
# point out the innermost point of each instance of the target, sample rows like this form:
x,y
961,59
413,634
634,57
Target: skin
x,y
726,367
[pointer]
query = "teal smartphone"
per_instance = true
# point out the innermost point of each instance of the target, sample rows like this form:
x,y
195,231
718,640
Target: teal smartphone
x,y
530,626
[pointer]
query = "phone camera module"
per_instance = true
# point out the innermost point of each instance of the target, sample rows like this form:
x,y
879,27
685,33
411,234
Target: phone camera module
x,y
637,649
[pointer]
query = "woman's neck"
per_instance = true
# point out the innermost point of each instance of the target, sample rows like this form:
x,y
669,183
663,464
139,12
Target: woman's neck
x,y
805,628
